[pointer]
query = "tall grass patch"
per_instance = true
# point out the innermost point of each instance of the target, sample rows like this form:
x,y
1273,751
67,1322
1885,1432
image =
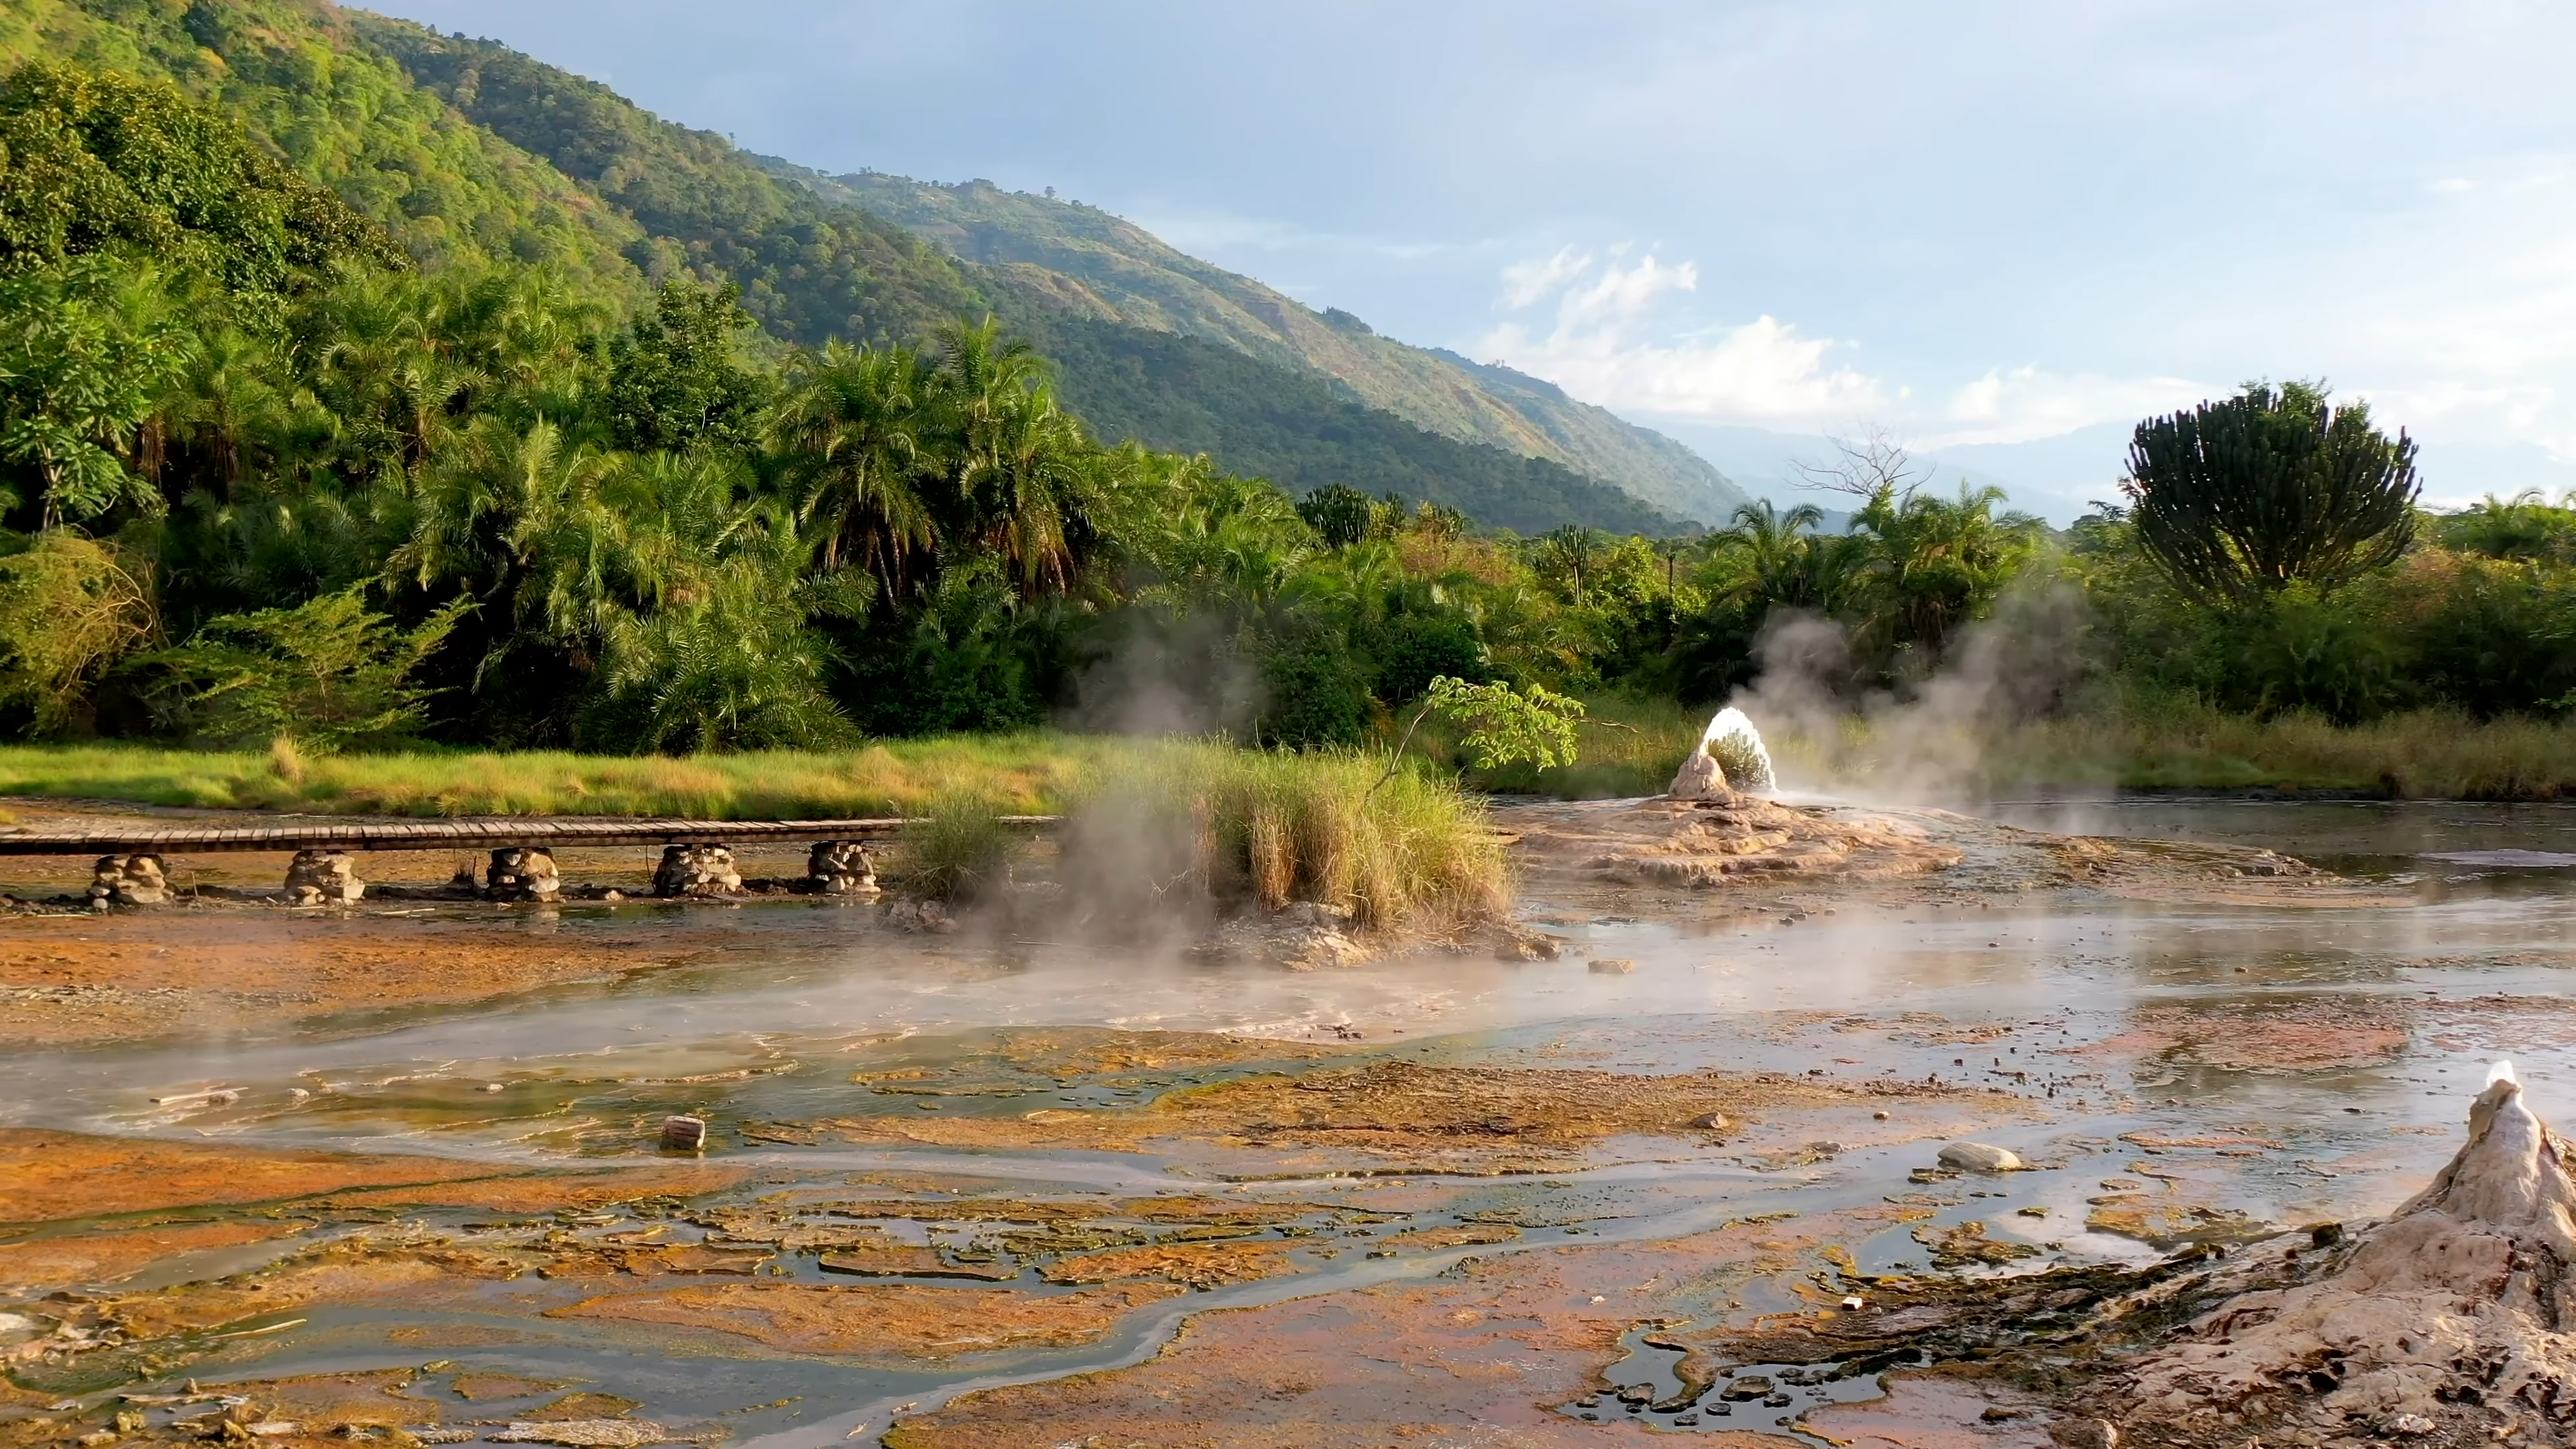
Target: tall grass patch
x,y
1171,821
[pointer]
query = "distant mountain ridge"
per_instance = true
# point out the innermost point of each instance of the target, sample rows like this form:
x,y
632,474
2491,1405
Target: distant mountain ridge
x,y
1081,262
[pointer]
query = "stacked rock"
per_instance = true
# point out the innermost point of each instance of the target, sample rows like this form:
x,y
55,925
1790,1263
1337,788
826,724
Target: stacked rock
x,y
522,873
696,870
841,868
323,878
128,880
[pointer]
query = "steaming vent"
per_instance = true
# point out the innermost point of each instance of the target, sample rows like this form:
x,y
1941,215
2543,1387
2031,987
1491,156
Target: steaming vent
x,y
1737,747
1729,757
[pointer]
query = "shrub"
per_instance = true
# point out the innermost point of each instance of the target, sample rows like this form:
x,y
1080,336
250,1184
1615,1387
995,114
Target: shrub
x,y
329,674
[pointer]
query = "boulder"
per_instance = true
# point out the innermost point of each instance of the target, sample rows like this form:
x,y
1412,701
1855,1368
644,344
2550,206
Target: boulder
x,y
1979,1157
696,870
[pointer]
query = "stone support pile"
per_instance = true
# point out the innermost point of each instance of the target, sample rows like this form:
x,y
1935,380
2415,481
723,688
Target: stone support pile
x,y
323,878
841,868
522,873
128,880
696,870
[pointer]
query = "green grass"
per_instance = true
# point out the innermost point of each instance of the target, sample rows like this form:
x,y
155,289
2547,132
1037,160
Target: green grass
x,y
1225,824
1033,772
1632,747
1403,849
2430,754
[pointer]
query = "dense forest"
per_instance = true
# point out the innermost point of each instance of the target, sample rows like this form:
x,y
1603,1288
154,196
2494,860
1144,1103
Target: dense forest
x,y
276,465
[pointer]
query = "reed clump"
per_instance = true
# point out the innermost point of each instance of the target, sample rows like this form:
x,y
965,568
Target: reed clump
x,y
1163,822
957,847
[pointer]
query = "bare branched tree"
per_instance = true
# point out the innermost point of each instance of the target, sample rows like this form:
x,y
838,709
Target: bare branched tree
x,y
1865,466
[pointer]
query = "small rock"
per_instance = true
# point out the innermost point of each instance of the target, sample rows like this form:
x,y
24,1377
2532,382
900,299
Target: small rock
x,y
1979,1157
2325,1235
1612,966
1711,1122
2084,1434
1879,1115
1855,1303
684,1134
2410,1424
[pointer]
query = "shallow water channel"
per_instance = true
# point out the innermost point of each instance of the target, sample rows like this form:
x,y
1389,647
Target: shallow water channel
x,y
2174,1070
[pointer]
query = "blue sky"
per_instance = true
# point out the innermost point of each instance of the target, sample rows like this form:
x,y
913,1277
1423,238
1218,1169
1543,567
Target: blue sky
x,y
1973,224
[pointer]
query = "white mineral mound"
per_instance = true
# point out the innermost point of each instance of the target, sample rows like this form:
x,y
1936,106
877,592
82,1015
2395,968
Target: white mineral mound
x,y
2453,1312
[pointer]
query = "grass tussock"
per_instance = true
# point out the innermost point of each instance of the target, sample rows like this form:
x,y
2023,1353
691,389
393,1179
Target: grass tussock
x,y
1205,820
959,848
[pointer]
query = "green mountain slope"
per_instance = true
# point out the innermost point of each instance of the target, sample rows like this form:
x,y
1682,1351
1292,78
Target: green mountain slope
x,y
1081,261
809,269
470,152
1294,427
296,78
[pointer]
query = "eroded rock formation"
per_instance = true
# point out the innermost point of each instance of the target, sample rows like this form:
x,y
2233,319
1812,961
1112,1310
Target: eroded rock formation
x,y
2446,1323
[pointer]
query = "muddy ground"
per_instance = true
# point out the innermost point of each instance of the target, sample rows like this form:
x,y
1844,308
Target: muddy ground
x,y
1608,1230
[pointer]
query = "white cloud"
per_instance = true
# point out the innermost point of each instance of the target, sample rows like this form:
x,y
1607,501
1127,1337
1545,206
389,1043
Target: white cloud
x,y
1611,345
2016,405
1526,284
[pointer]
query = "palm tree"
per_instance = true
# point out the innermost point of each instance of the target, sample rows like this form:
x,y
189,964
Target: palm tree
x,y
852,434
1025,482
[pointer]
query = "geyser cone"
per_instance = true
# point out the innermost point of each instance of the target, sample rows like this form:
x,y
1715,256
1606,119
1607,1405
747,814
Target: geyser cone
x,y
2451,1317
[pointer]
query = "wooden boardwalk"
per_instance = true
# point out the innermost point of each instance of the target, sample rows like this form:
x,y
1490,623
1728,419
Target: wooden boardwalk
x,y
490,833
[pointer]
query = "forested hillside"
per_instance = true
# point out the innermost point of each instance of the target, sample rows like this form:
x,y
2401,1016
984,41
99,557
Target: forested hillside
x,y
1064,258
1182,394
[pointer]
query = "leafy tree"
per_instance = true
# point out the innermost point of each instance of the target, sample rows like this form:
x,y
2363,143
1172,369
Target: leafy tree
x,y
674,380
84,354
1504,726
1340,515
71,608
98,161
2242,498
